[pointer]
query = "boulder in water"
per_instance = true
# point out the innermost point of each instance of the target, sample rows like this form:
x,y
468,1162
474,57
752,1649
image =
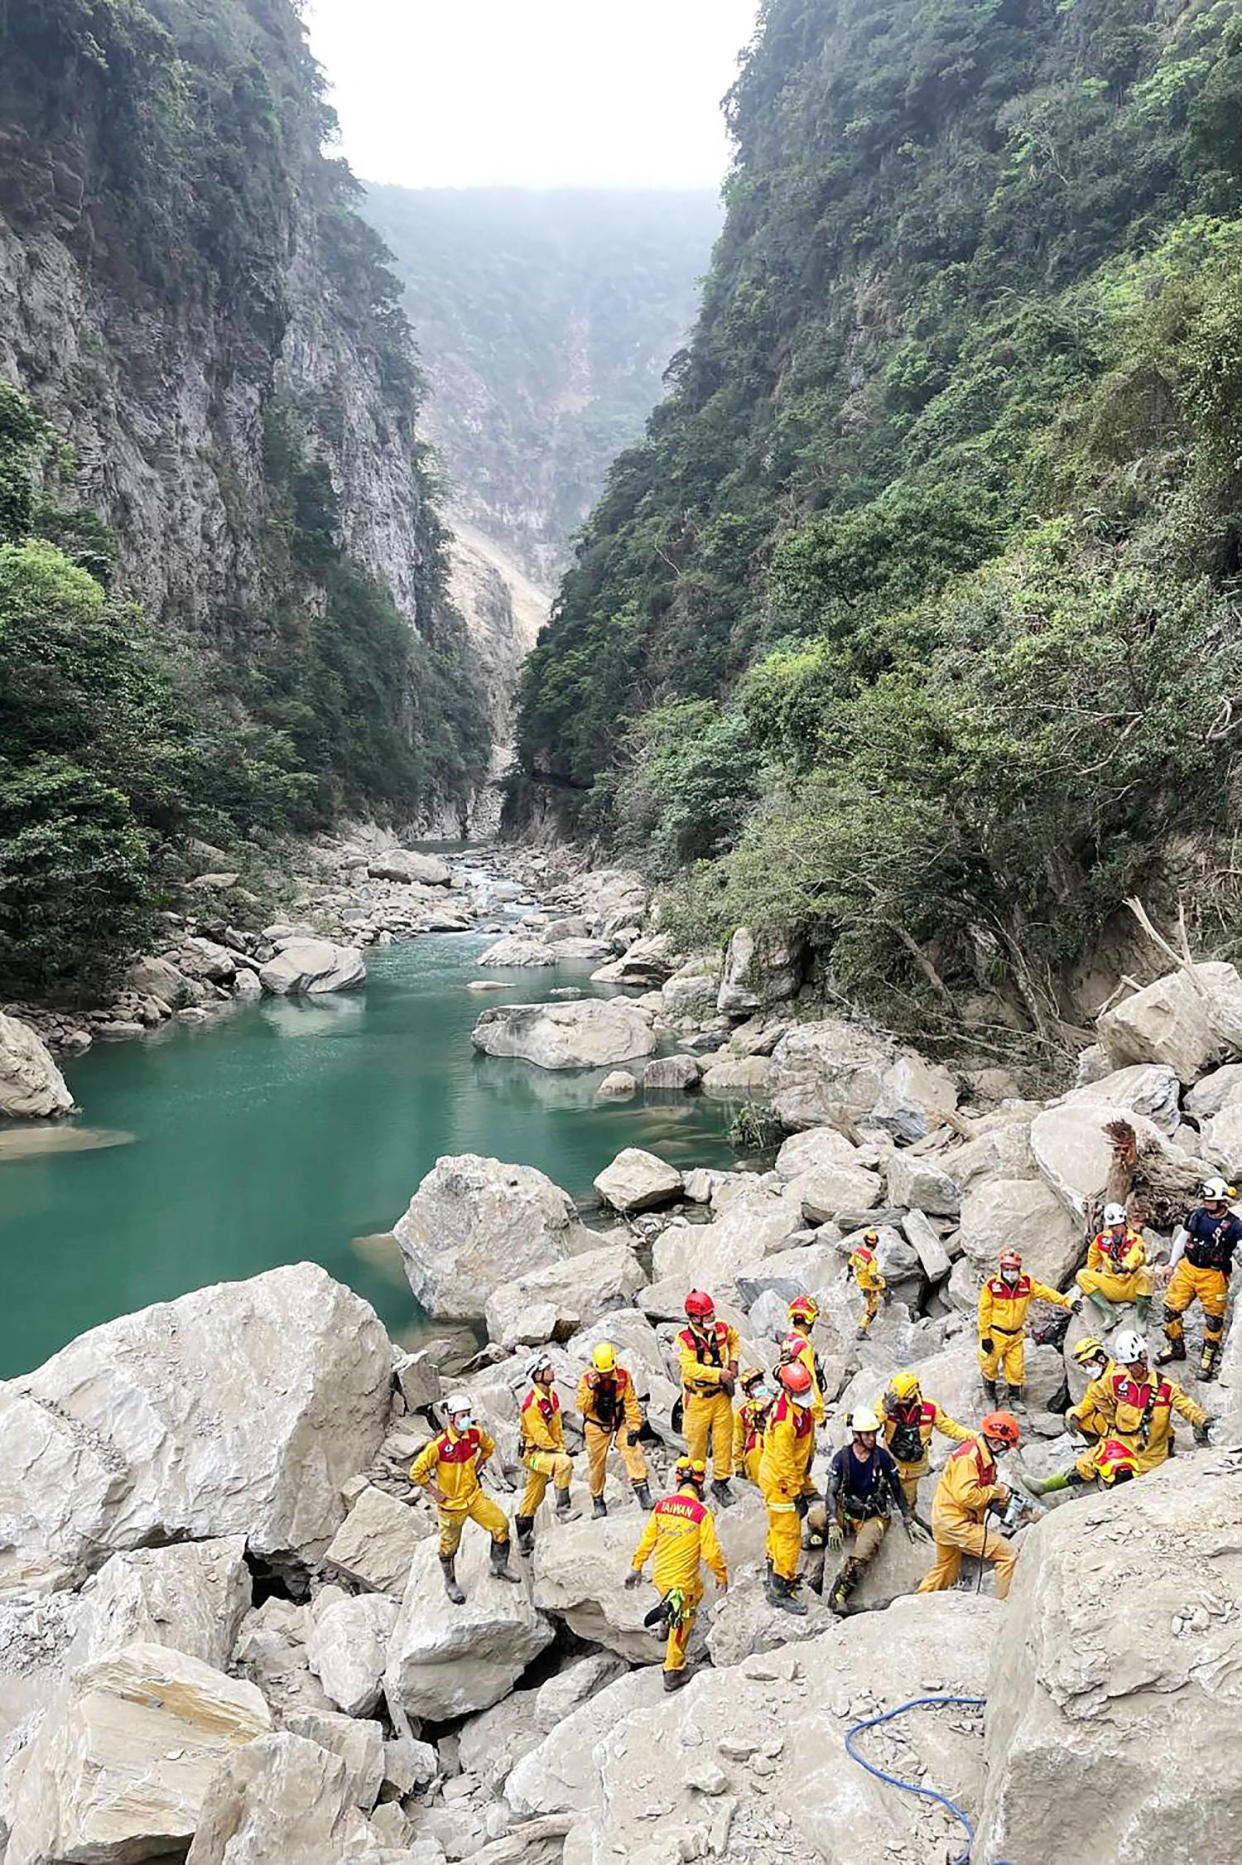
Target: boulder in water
x,y
594,1032
312,967
31,1085
406,865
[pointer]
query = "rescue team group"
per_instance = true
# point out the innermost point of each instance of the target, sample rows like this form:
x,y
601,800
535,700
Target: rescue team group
x,y
1125,1419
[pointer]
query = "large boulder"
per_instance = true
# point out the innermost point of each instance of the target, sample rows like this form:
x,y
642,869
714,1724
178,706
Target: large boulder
x,y
594,1032
689,993
1074,1152
575,1293
648,962
191,1596
1223,1137
474,1223
827,1066
358,1743
271,1652
756,1223
158,977
757,973
560,1774
1123,1672
239,1409
1148,1088
912,1093
446,1660
680,1073
1189,1025
637,1181
918,1183
282,1797
31,1085
312,967
406,865
738,1078
824,1192
519,951
348,1645
817,1149
121,1765
375,1543
1217,1091
1025,1215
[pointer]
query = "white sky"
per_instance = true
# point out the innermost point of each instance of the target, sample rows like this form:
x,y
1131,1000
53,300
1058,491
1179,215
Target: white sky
x,y
532,93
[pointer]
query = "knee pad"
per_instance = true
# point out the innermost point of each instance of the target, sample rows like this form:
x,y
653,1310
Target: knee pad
x,y
1172,1321
1213,1329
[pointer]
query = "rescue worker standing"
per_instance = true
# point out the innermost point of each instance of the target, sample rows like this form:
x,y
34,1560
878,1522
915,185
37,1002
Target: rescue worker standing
x,y
750,1421
448,1468
785,1479
1200,1268
681,1533
1093,1414
1003,1302
708,1350
865,1269
864,1486
1117,1269
611,1415
908,1422
542,1450
797,1345
1143,1404
969,1487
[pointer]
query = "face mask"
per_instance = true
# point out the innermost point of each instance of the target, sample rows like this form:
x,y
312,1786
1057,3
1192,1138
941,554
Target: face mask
x,y
1010,1276
462,1423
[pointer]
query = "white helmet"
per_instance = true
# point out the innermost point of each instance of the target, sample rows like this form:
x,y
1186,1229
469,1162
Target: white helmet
x,y
456,1405
1129,1345
536,1364
864,1419
1114,1214
1215,1191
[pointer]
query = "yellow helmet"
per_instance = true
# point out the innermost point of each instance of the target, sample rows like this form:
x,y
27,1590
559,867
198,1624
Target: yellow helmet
x,y
904,1386
604,1358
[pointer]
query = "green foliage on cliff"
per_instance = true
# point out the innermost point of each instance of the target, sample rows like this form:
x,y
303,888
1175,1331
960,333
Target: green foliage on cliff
x,y
942,514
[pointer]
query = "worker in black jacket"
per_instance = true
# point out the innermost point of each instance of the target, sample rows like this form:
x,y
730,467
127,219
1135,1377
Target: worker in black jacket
x,y
864,1487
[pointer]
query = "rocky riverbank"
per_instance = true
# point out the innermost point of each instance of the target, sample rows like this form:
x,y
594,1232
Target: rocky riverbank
x,y
223,1633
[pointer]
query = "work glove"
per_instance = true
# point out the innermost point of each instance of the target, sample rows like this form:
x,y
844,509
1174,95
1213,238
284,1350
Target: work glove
x,y
632,1579
836,1537
802,1504
727,1383
1202,1431
886,1297
632,1437
915,1531
988,1344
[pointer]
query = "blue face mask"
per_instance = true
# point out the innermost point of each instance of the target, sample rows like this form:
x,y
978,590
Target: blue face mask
x,y
462,1422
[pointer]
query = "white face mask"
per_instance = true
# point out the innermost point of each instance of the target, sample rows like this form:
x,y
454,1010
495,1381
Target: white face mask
x,y
1010,1276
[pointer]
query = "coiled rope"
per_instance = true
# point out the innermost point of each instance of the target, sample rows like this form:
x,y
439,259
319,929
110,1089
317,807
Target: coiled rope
x,y
913,1787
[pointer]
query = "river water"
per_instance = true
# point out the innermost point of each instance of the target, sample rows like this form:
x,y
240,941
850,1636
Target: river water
x,y
293,1129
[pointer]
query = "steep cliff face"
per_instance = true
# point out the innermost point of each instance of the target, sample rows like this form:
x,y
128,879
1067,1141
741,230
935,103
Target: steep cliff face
x,y
187,293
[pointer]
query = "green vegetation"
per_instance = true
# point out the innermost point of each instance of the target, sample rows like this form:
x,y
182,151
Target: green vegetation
x,y
938,537
546,321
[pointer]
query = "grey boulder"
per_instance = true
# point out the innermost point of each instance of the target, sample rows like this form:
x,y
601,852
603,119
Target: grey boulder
x,y
593,1032
31,1085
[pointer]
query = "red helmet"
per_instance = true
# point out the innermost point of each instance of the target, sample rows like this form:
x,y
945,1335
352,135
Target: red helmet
x,y
699,1307
1011,1259
1115,1462
795,1377
1002,1426
803,1308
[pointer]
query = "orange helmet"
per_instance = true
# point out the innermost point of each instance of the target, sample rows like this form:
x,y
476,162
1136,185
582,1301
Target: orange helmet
x,y
804,1308
1115,1462
1002,1426
1011,1259
795,1378
699,1307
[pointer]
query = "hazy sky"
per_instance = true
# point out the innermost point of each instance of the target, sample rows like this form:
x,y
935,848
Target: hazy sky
x,y
534,93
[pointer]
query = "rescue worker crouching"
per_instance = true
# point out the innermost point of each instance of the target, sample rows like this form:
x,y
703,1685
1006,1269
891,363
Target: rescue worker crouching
x,y
750,1421
1199,1270
1003,1303
969,1488
785,1479
797,1345
1117,1269
864,1486
865,1269
448,1468
611,1415
708,1352
908,1420
542,1451
1107,1463
1143,1404
1093,1414
681,1533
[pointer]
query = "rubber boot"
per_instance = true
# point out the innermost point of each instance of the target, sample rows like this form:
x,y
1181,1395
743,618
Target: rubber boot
x,y
1017,1395
723,1494
676,1680
450,1580
525,1525
500,1563
1208,1359
1142,1309
1046,1485
1172,1350
598,1506
989,1386
1104,1308
643,1494
787,1597
565,1512
844,1585
770,1593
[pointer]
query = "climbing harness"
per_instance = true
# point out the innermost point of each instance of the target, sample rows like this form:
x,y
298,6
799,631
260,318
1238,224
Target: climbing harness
x,y
913,1787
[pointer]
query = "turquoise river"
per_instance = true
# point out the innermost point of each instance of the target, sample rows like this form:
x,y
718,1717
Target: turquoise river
x,y
293,1129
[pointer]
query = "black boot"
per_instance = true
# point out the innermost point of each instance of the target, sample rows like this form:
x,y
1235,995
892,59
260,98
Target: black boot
x,y
643,1494
500,1563
1208,1359
844,1585
674,1680
787,1597
598,1506
1172,1350
723,1494
525,1525
565,1512
450,1580
1017,1395
770,1593
989,1386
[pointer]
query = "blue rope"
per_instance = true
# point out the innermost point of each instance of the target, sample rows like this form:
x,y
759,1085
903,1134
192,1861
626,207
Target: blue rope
x,y
912,1787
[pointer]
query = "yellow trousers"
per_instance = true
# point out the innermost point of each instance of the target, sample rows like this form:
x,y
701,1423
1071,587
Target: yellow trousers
x,y
751,1462
910,1475
598,1442
679,1635
1125,1288
1007,1359
971,1538
543,1467
710,1415
871,1305
1209,1287
784,1543
480,1509
867,1537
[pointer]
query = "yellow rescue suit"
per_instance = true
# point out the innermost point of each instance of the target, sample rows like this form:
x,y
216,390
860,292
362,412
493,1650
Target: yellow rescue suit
x,y
870,1283
907,1433
748,1428
452,1463
708,1369
543,1448
784,1476
968,1484
681,1532
1093,1415
1143,1415
796,1348
611,1415
1116,1268
1002,1324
